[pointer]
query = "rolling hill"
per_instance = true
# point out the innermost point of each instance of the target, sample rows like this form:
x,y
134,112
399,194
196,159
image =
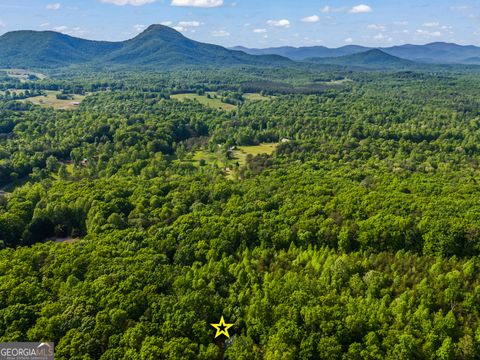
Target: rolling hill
x,y
435,53
49,49
438,53
157,46
302,53
372,59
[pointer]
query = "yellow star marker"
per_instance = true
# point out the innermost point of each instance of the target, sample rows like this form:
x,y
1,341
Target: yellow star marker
x,y
222,328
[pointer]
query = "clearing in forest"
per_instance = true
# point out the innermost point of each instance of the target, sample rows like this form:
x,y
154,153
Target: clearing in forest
x,y
238,155
242,152
214,103
256,97
50,100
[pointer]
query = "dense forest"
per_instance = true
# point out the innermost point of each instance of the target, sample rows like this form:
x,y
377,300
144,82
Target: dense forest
x,y
133,220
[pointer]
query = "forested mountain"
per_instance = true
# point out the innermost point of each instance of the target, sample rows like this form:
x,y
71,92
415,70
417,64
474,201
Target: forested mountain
x,y
157,46
44,49
437,53
376,59
161,45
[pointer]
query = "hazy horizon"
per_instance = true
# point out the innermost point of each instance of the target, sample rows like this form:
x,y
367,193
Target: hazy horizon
x,y
255,24
253,47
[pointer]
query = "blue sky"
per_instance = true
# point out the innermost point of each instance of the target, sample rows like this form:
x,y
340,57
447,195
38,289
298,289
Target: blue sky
x,y
255,23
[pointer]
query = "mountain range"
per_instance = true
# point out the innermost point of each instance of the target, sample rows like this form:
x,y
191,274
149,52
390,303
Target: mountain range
x,y
433,53
162,47
158,45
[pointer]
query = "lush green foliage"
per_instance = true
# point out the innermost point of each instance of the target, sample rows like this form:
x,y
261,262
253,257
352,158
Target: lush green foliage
x,y
357,238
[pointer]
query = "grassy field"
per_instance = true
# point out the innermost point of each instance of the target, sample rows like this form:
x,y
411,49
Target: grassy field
x,y
203,99
239,155
256,97
243,151
70,168
209,158
22,74
50,100
217,103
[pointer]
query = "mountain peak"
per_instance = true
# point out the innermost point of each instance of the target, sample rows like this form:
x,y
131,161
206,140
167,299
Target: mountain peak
x,y
159,27
161,30
375,57
375,51
372,58
377,54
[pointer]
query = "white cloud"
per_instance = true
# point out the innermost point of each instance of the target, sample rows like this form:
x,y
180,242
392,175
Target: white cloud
x,y
128,2
45,24
166,23
139,28
311,19
260,31
459,8
187,24
2,24
74,31
448,29
381,36
55,6
62,28
379,27
431,24
348,40
184,26
198,3
220,33
360,9
429,33
328,9
279,23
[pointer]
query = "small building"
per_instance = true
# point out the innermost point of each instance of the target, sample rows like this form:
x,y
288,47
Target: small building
x,y
284,140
